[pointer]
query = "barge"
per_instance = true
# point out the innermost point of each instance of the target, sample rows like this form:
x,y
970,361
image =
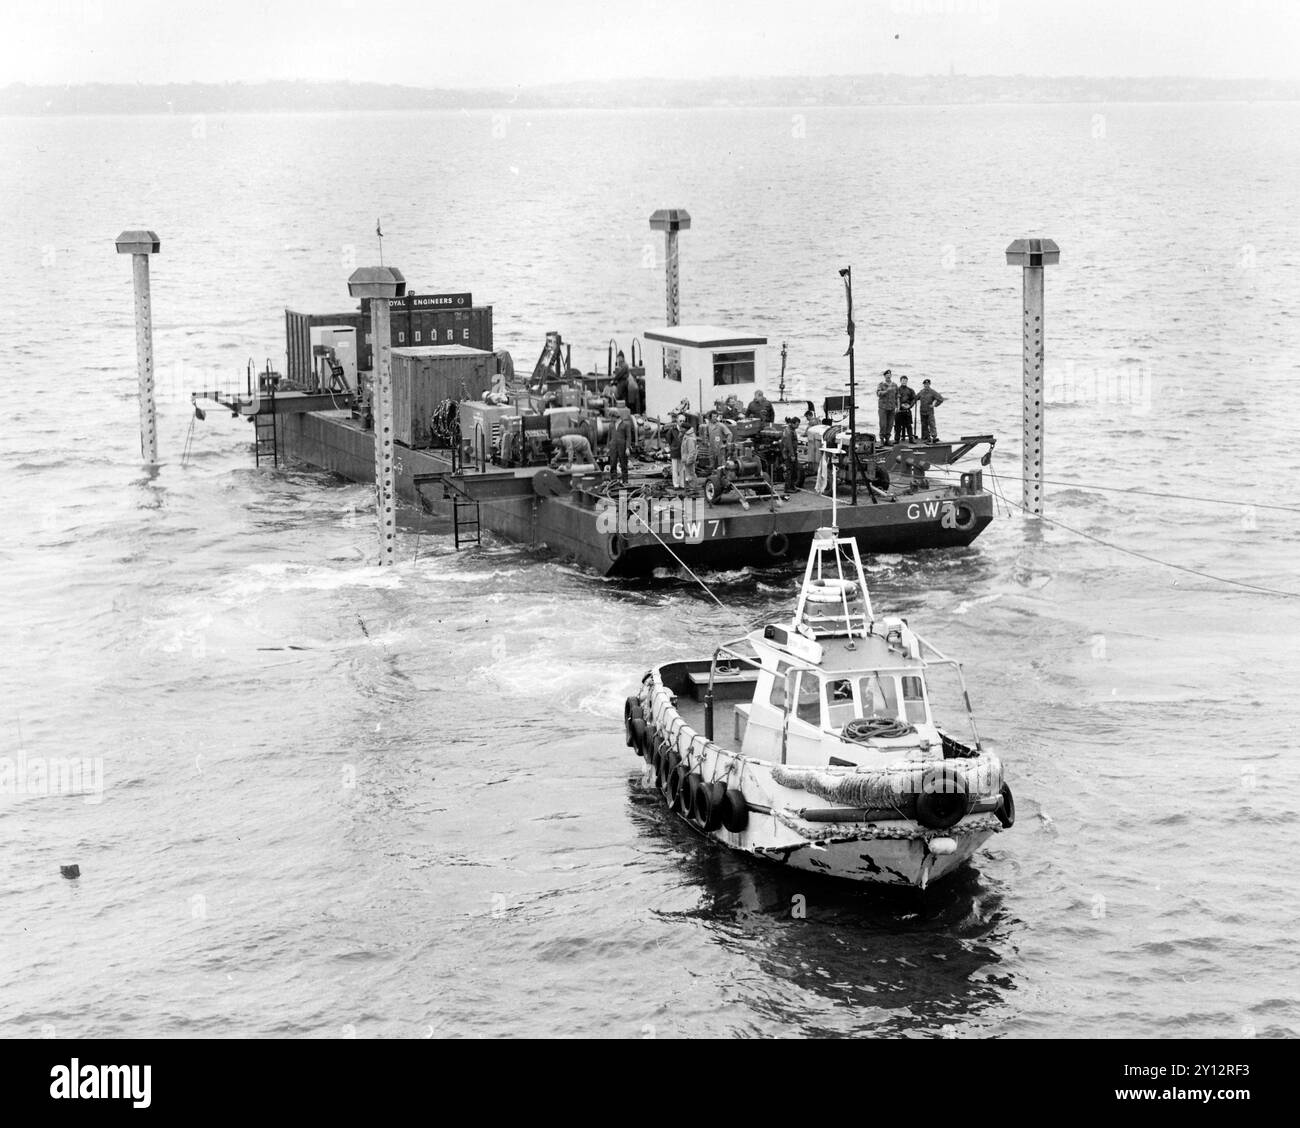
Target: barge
x,y
475,444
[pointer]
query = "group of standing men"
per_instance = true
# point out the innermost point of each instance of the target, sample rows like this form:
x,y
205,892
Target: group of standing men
x,y
896,401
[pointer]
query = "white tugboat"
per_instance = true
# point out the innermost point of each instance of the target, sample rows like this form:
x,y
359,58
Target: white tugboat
x,y
811,741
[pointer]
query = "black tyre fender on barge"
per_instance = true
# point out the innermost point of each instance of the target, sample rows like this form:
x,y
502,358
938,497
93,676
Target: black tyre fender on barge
x,y
776,545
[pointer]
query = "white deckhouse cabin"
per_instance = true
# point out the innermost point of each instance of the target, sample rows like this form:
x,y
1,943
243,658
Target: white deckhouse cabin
x,y
702,364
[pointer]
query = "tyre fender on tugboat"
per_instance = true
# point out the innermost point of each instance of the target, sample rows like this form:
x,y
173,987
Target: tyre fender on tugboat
x,y
687,796
676,781
708,805
1007,808
735,811
944,800
657,764
637,732
632,711
672,765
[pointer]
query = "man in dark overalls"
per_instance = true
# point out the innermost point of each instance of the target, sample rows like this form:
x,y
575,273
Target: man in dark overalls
x,y
887,398
620,440
790,456
927,400
903,419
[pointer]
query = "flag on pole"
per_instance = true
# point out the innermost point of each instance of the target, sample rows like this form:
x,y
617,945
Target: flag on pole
x,y
379,229
848,294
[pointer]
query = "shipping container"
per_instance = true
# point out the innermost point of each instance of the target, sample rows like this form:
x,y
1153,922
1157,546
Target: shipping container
x,y
423,378
415,325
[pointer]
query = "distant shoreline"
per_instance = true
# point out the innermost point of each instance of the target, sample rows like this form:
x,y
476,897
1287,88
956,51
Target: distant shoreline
x,y
478,111
795,94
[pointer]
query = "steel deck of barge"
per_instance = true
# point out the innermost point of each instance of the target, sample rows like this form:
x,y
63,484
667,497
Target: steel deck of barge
x,y
725,535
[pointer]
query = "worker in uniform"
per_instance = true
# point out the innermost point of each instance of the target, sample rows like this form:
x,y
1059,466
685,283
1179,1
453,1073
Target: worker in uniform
x,y
690,452
927,400
620,441
673,437
716,437
573,449
759,408
887,400
903,419
790,455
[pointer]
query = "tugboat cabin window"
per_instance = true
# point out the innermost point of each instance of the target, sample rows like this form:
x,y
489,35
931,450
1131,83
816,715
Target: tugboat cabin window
x,y
879,697
913,700
840,705
809,708
777,696
733,368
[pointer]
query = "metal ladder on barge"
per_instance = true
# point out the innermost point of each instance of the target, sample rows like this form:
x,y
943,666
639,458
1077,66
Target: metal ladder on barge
x,y
465,519
266,433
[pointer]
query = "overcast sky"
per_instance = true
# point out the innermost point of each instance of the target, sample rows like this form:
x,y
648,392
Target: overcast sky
x,y
498,43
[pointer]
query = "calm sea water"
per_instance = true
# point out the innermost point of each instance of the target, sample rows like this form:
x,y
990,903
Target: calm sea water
x,y
337,801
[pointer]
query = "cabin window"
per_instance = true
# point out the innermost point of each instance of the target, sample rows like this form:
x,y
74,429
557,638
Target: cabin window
x,y
777,697
879,697
733,368
673,365
913,700
417,336
840,706
809,708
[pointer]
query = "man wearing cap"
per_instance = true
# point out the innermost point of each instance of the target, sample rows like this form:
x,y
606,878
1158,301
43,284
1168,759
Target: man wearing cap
x,y
927,400
903,420
887,399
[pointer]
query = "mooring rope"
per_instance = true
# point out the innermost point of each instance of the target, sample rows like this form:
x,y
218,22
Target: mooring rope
x,y
708,590
1156,493
1164,563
